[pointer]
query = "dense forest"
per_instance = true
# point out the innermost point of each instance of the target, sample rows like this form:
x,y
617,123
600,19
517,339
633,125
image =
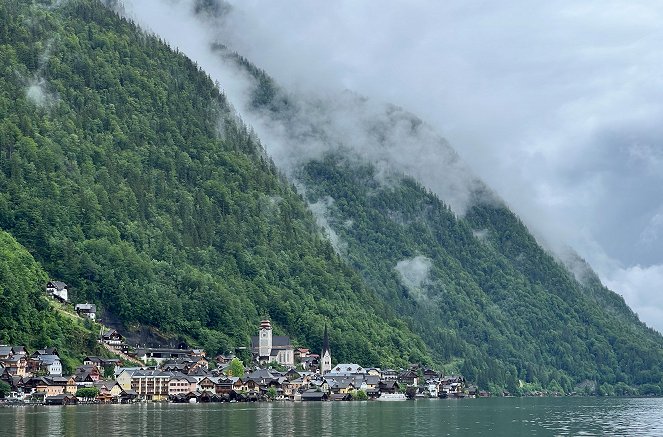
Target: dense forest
x,y
479,289
125,174
486,298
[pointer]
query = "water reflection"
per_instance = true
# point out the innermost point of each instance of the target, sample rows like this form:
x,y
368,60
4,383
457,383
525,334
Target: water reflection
x,y
495,417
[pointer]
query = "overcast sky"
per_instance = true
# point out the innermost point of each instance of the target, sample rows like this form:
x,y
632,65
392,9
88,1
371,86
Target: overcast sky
x,y
557,105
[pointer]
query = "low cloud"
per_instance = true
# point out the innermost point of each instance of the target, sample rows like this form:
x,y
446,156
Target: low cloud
x,y
557,106
414,274
321,212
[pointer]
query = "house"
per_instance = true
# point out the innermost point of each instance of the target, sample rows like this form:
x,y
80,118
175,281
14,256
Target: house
x,y
101,363
161,355
342,386
408,378
88,310
151,385
61,399
346,370
390,386
16,365
71,386
224,386
49,364
123,376
50,386
389,375
301,353
224,358
109,391
5,352
181,384
87,375
313,395
267,347
58,290
113,339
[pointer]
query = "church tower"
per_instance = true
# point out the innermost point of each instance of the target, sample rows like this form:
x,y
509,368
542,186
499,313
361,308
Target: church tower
x,y
265,339
325,356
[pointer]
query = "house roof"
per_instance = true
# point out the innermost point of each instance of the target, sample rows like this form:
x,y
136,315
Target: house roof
x,y
57,284
261,374
5,350
90,307
312,394
346,369
48,359
108,385
277,341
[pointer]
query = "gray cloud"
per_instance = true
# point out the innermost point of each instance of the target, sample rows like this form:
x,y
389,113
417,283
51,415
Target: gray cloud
x,y
557,106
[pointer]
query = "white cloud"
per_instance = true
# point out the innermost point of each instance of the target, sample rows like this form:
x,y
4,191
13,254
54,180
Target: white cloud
x,y
556,105
414,273
642,288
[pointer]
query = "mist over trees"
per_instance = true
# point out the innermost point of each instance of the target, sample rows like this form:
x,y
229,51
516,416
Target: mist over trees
x,y
125,172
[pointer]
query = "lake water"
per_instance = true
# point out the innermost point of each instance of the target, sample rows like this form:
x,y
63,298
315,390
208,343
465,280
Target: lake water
x,y
494,417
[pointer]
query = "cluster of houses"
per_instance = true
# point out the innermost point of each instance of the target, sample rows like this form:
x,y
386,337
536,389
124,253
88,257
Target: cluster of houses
x,y
185,375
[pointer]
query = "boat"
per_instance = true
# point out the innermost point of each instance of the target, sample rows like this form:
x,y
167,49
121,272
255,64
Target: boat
x,y
392,397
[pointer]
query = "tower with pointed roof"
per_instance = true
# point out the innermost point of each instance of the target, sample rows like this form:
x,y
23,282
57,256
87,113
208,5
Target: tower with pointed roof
x,y
325,356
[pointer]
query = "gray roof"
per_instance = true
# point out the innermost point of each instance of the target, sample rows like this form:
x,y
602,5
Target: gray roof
x,y
57,284
86,307
277,341
5,350
48,359
346,369
261,374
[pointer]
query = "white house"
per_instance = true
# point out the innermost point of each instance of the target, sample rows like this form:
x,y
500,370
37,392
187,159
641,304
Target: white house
x,y
51,363
88,310
58,290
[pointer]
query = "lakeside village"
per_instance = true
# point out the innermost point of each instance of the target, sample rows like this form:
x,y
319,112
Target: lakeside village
x,y
279,371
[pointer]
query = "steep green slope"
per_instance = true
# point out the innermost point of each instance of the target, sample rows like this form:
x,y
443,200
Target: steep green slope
x,y
28,317
480,290
123,171
485,297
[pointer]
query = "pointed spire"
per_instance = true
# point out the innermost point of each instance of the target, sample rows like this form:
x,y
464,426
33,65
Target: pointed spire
x,y
325,341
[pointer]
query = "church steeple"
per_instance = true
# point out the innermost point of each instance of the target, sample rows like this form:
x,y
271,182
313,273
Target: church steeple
x,y
325,341
325,356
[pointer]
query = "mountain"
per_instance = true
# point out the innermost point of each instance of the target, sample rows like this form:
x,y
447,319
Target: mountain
x,y
471,280
126,175
125,172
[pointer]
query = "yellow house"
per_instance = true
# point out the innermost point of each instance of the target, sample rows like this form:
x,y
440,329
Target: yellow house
x,y
50,389
124,378
71,387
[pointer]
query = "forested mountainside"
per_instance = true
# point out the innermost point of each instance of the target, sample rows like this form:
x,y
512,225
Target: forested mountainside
x,y
125,174
28,317
486,298
479,289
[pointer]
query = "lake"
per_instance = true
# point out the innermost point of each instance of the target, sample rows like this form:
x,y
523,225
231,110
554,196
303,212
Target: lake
x,y
493,416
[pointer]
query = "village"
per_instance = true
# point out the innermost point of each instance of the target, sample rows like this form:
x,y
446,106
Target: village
x,y
278,371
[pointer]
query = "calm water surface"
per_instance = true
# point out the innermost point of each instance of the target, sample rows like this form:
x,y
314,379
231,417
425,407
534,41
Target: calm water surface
x,y
494,417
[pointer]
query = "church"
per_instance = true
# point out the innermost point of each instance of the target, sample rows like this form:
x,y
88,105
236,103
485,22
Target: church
x,y
267,347
325,356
